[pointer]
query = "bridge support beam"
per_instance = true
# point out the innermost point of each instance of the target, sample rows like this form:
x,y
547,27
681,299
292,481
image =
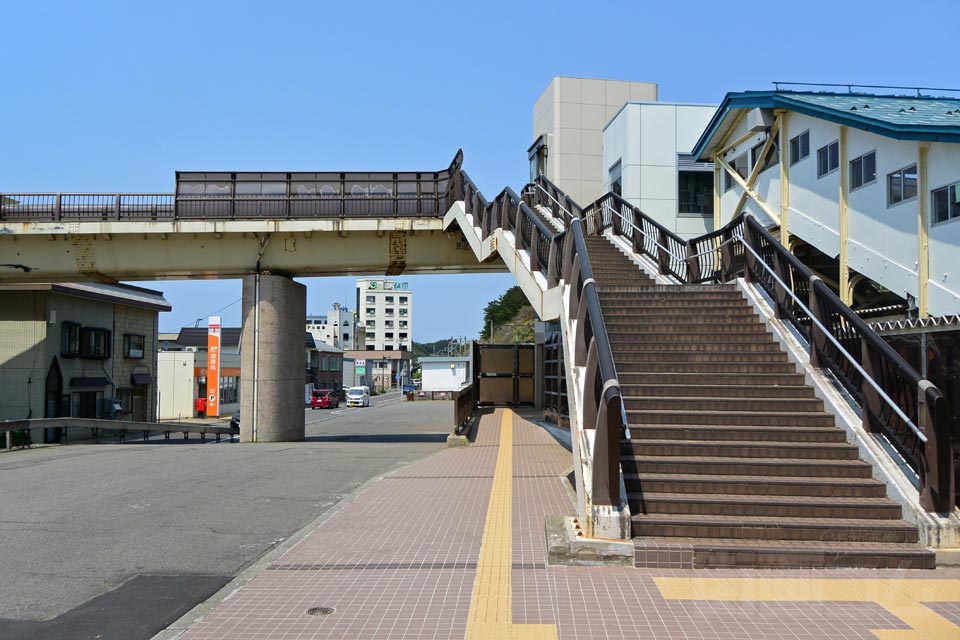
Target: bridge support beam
x,y
272,359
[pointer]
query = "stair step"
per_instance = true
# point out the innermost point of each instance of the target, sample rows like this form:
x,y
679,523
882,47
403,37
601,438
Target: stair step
x,y
638,335
762,346
781,419
628,326
704,380
691,404
727,505
658,388
736,433
767,467
745,450
767,528
755,485
718,553
640,367
691,356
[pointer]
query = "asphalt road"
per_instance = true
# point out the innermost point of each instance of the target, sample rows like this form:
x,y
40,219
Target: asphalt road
x,y
117,541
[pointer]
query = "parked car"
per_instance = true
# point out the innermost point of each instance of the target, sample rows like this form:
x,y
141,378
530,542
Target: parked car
x,y
324,399
358,397
235,420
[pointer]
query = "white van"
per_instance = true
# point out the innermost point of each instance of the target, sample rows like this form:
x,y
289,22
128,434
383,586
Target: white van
x,y
358,397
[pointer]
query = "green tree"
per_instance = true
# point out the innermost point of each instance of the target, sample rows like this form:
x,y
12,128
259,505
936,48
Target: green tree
x,y
502,310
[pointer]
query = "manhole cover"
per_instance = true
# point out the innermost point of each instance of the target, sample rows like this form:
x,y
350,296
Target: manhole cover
x,y
320,611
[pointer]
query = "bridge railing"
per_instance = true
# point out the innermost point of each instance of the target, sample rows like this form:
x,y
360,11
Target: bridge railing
x,y
252,196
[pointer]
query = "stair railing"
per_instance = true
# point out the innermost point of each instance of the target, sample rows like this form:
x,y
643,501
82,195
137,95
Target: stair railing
x,y
912,413
602,402
896,401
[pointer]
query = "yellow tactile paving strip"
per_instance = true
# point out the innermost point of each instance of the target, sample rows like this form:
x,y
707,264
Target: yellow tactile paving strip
x,y
902,598
491,605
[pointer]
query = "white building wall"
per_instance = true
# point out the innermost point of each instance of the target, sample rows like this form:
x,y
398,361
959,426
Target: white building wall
x,y
376,309
440,376
646,138
883,243
573,112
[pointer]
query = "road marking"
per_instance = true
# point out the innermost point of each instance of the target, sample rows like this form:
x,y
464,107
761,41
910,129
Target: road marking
x,y
491,605
903,598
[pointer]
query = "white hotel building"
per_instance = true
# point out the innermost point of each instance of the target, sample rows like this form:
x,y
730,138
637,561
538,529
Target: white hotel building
x,y
385,311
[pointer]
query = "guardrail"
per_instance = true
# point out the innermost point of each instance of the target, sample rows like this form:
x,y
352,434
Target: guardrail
x,y
465,402
95,426
252,196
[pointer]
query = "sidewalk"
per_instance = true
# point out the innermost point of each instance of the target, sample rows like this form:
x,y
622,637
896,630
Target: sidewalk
x,y
453,546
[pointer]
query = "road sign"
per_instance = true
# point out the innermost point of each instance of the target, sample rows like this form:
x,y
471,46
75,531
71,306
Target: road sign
x,y
213,366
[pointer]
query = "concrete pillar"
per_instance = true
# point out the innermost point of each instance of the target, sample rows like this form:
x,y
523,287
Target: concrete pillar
x,y
272,360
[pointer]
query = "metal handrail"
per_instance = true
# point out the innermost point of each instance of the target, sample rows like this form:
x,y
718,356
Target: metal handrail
x,y
655,242
836,343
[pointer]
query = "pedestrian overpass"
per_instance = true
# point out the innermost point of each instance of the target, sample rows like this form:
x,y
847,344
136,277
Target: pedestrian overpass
x,y
723,401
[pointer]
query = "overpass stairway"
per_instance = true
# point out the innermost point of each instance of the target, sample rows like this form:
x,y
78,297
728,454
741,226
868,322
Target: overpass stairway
x,y
731,460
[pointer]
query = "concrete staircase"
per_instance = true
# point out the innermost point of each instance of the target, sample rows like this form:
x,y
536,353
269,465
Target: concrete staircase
x,y
732,460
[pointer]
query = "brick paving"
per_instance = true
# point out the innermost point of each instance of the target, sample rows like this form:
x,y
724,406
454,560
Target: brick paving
x,y
400,561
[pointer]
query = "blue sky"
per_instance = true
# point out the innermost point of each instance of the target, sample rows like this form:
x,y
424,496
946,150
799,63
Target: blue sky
x,y
116,96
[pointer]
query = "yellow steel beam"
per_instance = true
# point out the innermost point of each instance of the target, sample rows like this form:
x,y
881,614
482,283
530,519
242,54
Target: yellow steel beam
x,y
783,119
844,220
748,189
722,144
755,171
717,216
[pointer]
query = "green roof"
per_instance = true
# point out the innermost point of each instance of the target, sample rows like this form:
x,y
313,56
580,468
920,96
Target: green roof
x,y
898,117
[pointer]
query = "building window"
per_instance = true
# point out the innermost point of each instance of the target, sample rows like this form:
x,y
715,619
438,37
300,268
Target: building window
x,y
371,324
403,312
946,203
828,158
389,312
902,185
739,164
388,336
371,311
403,336
404,300
133,346
863,170
346,337
773,155
388,299
94,343
70,340
695,191
616,179
371,299
86,404
370,347
335,363
228,390
403,324
799,147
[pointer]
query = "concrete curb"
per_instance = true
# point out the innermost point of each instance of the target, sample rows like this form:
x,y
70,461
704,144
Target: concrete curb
x,y
566,545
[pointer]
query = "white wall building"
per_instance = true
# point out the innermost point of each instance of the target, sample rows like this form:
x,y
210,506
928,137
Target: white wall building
x,y
568,121
646,159
385,310
873,181
445,373
337,328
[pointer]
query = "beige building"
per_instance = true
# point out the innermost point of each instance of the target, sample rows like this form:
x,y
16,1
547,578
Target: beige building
x,y
568,121
78,349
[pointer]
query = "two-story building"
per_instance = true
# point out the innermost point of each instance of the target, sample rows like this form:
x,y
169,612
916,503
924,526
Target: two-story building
x,y
863,187
78,349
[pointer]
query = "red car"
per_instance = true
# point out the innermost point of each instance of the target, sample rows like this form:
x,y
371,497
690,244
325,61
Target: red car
x,y
324,399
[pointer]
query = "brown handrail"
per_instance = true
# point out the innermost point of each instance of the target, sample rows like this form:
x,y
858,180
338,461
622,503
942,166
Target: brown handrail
x,y
720,256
